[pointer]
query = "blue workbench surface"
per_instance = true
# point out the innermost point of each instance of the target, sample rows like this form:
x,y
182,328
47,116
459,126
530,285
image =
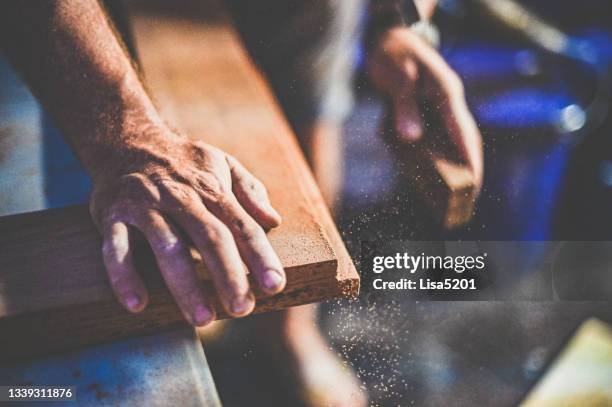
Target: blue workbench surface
x,y
160,370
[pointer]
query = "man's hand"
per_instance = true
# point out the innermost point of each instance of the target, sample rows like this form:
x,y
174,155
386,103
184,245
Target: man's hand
x,y
410,72
146,177
175,191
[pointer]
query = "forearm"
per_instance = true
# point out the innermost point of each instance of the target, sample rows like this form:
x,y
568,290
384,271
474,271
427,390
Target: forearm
x,y
178,193
75,64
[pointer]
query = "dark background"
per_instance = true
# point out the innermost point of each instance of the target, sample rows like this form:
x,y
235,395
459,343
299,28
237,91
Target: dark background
x,y
540,184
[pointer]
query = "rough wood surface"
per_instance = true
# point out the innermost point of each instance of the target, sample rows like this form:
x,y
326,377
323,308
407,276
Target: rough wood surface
x,y
441,180
53,289
445,185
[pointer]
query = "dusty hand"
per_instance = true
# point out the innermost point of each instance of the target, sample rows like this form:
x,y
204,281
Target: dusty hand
x,y
171,189
409,71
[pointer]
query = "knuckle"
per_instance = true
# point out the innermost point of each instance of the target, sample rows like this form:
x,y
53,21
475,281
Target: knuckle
x,y
251,184
200,150
175,193
133,180
108,249
215,234
138,188
213,189
256,185
118,211
216,154
114,255
246,229
102,207
171,247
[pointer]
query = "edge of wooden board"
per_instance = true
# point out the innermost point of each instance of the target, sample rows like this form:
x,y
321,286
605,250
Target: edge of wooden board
x,y
36,332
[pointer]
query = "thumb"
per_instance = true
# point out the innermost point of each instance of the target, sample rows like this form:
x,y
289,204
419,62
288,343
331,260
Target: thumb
x,y
408,122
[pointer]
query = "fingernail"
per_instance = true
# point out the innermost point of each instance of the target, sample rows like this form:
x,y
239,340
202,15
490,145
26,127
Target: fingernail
x,y
202,315
272,280
240,305
132,301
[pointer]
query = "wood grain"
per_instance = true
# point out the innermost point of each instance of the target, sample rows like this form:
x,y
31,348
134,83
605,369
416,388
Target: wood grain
x,y
53,289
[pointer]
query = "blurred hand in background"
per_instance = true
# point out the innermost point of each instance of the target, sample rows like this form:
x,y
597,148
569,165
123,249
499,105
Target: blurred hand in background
x,y
410,72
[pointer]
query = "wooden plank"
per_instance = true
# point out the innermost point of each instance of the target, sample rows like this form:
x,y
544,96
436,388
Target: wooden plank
x,y
53,289
440,178
444,184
